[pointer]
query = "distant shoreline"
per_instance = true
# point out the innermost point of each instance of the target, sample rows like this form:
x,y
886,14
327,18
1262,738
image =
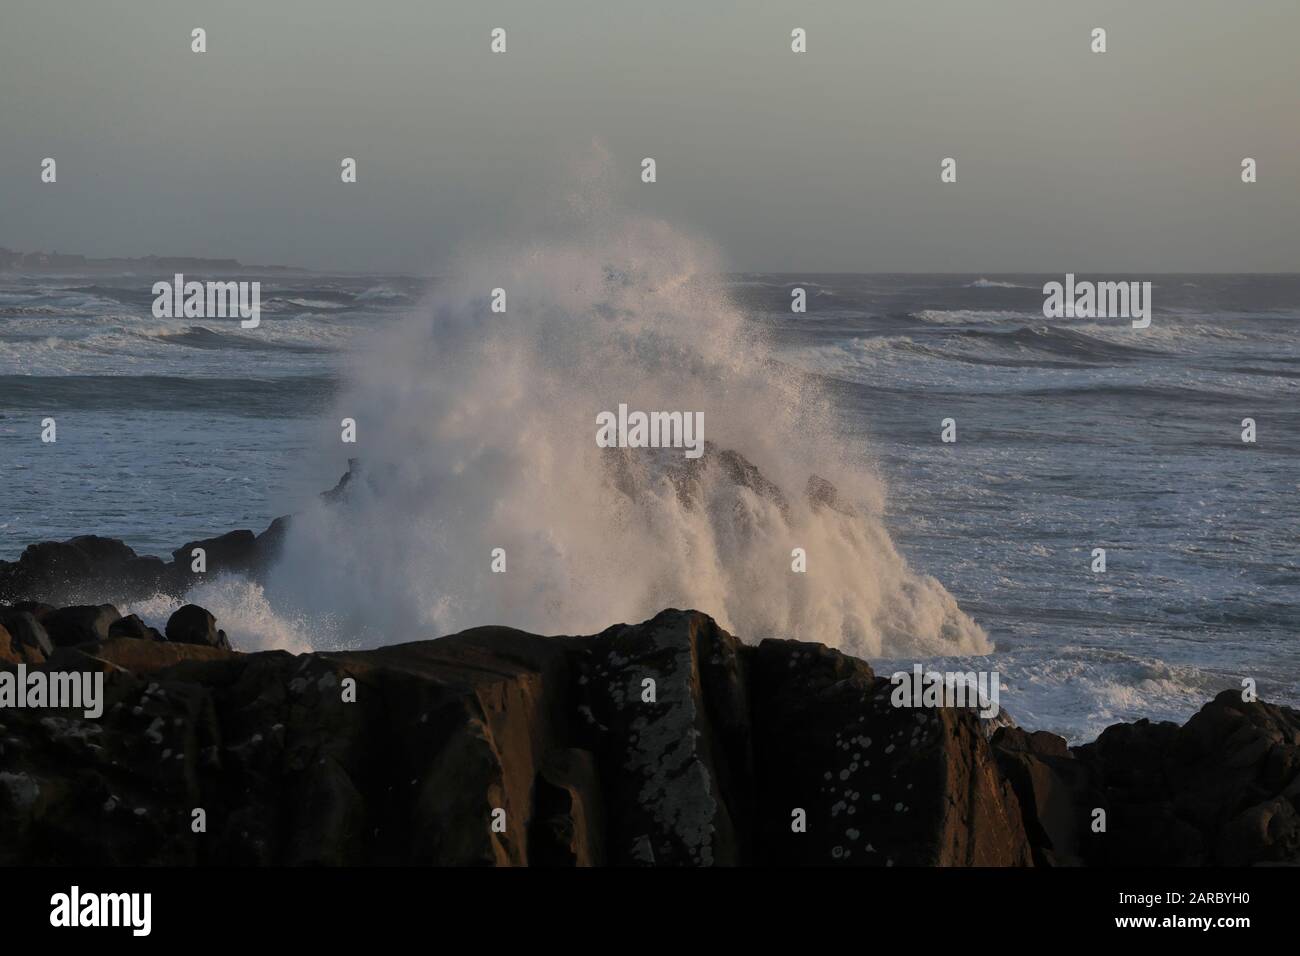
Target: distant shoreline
x,y
57,262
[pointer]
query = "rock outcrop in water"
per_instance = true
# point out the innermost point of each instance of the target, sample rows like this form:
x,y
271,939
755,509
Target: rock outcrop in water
x,y
89,567
663,743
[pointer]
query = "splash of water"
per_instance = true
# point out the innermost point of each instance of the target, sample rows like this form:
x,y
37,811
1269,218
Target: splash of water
x,y
244,612
477,430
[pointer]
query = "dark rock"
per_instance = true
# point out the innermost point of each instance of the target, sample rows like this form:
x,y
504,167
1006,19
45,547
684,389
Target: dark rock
x,y
668,742
192,624
56,560
132,626
1056,793
671,768
744,473
26,629
80,624
143,657
89,569
688,473
562,735
568,825
269,543
54,570
238,552
99,551
878,785
234,552
339,490
822,493
69,571
35,608
1221,789
145,576
14,651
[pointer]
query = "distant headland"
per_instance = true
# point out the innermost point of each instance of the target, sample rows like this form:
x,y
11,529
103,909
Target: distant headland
x,y
11,261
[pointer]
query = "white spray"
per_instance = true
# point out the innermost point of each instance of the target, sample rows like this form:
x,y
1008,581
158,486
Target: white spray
x,y
475,429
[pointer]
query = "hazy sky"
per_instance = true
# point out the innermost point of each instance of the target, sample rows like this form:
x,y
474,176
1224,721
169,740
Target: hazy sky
x,y
827,161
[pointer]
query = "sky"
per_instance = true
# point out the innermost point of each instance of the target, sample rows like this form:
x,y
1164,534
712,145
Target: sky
x,y
826,161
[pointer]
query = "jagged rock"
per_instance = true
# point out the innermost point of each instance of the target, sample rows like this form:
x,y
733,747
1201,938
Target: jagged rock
x,y
80,624
688,473
340,489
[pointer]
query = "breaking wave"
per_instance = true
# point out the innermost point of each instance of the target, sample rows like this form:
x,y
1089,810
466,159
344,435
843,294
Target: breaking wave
x,y
477,431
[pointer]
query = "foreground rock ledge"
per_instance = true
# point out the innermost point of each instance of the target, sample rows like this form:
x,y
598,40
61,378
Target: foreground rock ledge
x,y
554,731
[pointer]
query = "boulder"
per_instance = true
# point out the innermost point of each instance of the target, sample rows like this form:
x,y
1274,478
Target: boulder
x,y
80,624
13,651
192,624
61,571
26,629
1220,790
132,626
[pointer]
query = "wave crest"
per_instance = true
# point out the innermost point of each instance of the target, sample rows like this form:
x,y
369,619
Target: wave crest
x,y
477,431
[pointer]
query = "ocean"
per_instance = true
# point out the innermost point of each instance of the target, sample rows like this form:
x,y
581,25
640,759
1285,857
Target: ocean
x,y
1072,434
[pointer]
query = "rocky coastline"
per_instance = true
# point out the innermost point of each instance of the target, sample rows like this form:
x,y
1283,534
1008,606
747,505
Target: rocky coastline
x,y
666,742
